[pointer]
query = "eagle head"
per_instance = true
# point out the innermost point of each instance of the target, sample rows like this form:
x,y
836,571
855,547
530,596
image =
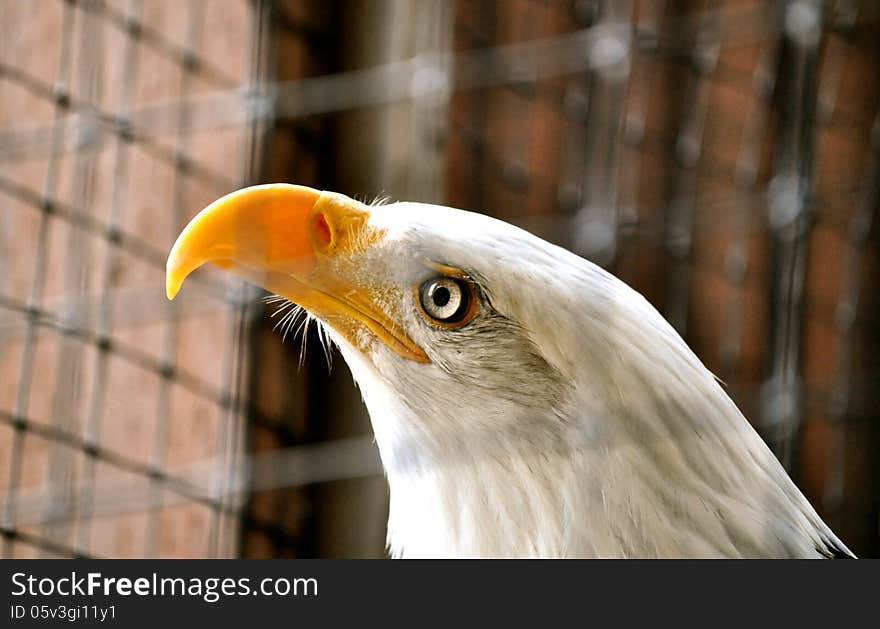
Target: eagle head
x,y
524,401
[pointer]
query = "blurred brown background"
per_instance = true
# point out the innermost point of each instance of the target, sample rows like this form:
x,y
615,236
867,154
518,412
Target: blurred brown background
x,y
720,156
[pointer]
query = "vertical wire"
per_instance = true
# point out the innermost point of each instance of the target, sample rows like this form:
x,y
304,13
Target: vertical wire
x,y
168,351
789,213
7,222
516,169
833,60
104,323
596,222
225,475
229,437
843,17
736,263
74,315
432,22
635,119
688,147
839,402
23,391
478,109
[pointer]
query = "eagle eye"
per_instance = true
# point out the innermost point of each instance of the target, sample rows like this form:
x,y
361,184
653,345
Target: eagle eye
x,y
448,301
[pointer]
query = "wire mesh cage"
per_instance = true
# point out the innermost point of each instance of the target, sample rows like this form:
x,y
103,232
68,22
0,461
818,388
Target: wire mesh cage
x,y
719,156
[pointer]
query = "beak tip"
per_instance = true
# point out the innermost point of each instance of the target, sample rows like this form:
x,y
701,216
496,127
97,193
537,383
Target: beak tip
x,y
173,278
171,288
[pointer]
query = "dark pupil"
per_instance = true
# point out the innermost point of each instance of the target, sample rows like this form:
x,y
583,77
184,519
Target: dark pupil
x,y
441,297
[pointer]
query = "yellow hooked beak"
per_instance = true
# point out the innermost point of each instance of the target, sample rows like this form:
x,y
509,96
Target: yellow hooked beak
x,y
286,239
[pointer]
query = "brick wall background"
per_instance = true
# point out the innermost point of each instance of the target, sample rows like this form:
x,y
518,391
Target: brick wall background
x,y
109,394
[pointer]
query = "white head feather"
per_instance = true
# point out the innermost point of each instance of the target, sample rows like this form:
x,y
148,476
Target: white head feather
x,y
568,419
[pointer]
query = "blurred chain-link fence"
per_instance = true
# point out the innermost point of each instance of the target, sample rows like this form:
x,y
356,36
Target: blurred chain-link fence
x,y
721,156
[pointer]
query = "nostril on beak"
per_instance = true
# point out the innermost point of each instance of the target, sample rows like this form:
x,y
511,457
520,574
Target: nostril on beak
x,y
322,229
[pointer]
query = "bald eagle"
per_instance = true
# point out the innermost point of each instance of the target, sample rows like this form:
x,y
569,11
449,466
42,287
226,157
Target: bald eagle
x,y
525,402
